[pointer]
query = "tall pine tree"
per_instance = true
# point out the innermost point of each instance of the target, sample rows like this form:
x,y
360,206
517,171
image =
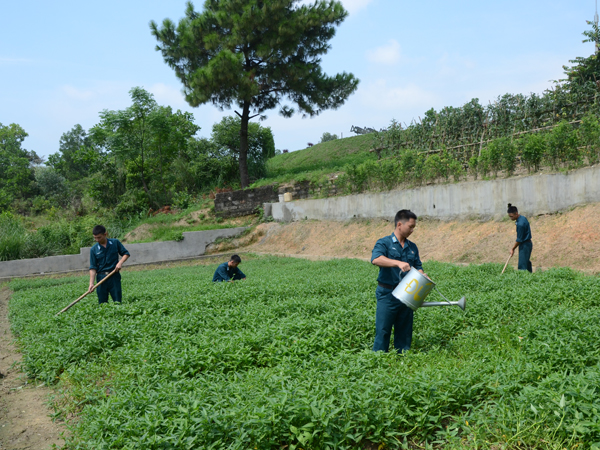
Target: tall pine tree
x,y
254,54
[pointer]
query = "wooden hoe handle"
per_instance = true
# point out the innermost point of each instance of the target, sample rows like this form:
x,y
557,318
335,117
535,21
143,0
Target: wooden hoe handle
x,y
81,298
506,264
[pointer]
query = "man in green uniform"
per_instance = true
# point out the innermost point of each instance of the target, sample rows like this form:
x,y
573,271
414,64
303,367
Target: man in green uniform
x,y
104,258
228,271
523,239
394,255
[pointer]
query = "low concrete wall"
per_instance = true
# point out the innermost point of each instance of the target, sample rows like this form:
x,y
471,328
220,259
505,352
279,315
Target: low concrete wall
x,y
533,195
193,244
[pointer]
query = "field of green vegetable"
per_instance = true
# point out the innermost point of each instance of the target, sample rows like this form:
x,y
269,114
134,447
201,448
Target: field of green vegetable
x,y
283,360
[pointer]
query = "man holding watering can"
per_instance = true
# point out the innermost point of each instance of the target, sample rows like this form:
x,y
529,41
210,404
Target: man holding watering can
x,y
394,255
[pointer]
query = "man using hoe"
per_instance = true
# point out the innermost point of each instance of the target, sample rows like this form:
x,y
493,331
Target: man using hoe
x,y
104,258
394,255
228,271
523,239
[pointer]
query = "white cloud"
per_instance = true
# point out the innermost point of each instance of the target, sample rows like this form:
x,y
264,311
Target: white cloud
x,y
354,5
387,54
351,6
380,96
166,94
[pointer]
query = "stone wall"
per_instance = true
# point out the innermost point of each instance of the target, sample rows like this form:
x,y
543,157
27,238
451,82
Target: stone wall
x,y
533,195
247,201
244,202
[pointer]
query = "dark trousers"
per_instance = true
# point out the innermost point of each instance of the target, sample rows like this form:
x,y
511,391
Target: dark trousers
x,y
525,249
391,312
111,286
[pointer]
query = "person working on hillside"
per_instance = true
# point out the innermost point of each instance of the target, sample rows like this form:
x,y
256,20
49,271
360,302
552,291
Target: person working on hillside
x,y
394,255
523,239
104,258
228,271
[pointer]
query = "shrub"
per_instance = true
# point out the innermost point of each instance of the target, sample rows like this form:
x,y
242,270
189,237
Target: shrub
x,y
532,148
182,200
508,151
327,137
13,237
562,146
589,135
434,168
455,168
412,165
474,165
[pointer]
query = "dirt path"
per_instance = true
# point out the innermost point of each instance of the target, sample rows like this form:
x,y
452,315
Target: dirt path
x,y
24,416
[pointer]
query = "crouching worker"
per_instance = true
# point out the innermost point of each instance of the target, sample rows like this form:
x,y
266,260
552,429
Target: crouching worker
x,y
104,258
228,271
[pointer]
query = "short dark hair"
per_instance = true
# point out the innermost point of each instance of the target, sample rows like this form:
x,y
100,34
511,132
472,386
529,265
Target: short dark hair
x,y
404,215
236,259
98,229
512,209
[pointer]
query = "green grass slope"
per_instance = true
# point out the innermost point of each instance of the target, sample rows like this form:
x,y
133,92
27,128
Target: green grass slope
x,y
318,160
283,360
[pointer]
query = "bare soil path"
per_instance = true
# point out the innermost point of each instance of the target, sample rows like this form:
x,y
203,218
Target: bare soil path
x,y
25,421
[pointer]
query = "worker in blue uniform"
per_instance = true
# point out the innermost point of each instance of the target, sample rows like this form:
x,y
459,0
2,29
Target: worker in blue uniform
x,y
104,258
229,271
523,238
394,255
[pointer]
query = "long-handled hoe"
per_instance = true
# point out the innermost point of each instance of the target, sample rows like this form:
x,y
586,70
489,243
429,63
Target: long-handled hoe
x,y
506,264
93,289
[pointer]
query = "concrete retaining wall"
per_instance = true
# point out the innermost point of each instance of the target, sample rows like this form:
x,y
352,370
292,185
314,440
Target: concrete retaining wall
x,y
193,244
533,195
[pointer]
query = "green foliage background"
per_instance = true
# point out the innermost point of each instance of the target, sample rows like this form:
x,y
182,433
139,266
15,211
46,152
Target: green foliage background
x,y
284,359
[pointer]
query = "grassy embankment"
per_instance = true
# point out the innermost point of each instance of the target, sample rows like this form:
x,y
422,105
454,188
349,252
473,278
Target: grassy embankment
x,y
64,233
318,161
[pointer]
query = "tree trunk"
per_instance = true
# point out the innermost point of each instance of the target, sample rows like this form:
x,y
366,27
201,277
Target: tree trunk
x,y
243,159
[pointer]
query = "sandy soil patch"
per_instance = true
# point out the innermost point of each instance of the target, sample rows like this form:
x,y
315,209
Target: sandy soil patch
x,y
138,234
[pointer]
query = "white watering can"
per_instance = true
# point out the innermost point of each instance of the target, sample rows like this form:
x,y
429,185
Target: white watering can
x,y
413,289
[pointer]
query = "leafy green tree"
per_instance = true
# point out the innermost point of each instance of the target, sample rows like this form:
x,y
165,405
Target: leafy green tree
x,y
52,185
145,138
77,157
204,165
585,69
254,54
261,145
16,174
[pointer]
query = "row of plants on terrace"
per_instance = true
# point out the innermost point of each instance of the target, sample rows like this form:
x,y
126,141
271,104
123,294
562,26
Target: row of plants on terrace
x,y
564,146
482,140
283,360
466,127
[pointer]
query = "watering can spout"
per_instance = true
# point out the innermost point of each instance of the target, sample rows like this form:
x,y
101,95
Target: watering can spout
x,y
462,303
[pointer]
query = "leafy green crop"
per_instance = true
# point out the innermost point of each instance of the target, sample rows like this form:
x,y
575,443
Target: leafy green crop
x,y
283,360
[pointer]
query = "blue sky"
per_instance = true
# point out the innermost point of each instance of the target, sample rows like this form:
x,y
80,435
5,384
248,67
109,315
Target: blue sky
x,y
61,63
